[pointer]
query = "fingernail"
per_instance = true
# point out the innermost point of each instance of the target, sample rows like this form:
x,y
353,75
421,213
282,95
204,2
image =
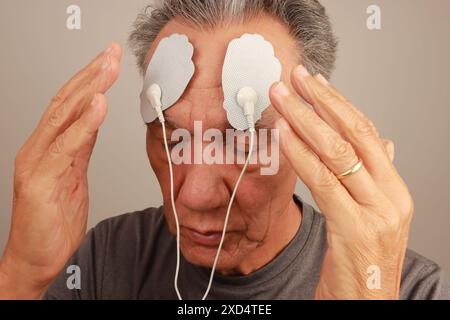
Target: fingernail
x,y
322,79
301,71
282,90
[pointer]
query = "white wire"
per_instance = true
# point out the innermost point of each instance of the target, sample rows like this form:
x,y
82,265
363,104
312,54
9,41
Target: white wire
x,y
227,216
252,141
172,199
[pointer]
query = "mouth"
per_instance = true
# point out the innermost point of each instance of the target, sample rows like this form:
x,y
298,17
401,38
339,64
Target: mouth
x,y
205,238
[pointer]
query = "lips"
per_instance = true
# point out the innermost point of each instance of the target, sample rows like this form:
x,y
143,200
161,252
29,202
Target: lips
x,y
205,238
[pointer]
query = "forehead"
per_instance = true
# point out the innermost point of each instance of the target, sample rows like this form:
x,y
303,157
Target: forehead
x,y
211,44
210,47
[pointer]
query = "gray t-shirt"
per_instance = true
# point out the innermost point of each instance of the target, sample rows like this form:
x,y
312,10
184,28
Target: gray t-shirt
x,y
133,256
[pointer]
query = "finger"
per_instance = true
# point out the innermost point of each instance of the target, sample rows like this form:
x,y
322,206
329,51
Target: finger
x,y
356,128
71,109
345,119
85,75
336,153
388,144
97,77
83,157
62,153
329,194
390,148
325,82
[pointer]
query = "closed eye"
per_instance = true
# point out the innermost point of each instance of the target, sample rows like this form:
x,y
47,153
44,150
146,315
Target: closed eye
x,y
170,144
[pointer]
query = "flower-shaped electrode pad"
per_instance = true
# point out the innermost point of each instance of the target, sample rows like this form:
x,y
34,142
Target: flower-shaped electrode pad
x,y
250,62
172,69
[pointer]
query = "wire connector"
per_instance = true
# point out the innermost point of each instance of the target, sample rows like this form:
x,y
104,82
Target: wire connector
x,y
154,95
247,99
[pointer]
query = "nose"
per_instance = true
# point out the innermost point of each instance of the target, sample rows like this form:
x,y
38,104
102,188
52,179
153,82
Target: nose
x,y
203,189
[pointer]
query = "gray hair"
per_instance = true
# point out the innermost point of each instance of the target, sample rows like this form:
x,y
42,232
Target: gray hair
x,y
307,21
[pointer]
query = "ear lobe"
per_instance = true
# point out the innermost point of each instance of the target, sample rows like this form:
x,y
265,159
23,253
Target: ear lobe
x,y
250,61
172,68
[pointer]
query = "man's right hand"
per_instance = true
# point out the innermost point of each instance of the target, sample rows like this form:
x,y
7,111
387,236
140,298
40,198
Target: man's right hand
x,y
50,203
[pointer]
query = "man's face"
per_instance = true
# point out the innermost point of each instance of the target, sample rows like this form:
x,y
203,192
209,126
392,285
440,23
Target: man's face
x,y
202,191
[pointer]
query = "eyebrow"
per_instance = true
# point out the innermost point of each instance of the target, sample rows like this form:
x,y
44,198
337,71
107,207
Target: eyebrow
x,y
171,124
262,124
267,120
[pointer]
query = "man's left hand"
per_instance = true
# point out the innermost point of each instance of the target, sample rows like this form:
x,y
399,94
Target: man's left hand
x,y
368,212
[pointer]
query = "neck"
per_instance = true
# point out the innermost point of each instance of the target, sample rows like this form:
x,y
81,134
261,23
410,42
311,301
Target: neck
x,y
280,234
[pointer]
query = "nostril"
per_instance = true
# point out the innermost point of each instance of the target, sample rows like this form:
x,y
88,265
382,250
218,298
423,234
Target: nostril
x,y
203,190
198,200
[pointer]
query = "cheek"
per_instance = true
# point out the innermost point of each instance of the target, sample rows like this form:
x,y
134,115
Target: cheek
x,y
259,197
256,197
258,191
158,161
155,151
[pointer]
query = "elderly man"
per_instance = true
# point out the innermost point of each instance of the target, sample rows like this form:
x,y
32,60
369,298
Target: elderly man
x,y
276,246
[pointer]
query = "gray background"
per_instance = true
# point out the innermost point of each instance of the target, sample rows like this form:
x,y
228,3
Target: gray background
x,y
398,76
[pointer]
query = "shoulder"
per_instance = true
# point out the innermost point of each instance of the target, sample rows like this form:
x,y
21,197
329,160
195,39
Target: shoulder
x,y
423,279
111,251
133,235
147,221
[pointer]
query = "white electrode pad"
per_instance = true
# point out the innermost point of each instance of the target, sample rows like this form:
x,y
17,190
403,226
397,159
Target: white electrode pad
x,y
250,62
172,69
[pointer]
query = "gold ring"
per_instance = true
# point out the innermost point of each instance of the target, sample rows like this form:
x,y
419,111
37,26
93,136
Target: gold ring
x,y
353,170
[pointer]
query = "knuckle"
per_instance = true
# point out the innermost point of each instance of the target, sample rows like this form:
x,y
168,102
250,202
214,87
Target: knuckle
x,y
325,95
389,225
18,184
19,158
60,97
388,143
57,146
407,206
22,185
56,118
303,150
22,164
115,64
341,150
19,187
323,179
383,228
364,128
308,115
93,83
28,189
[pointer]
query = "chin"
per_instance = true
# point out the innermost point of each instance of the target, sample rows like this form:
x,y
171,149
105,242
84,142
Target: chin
x,y
204,257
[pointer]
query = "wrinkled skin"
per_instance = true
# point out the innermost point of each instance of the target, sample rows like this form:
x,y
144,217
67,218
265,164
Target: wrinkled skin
x,y
368,213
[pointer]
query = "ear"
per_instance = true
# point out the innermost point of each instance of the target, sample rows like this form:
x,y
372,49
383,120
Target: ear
x,y
250,61
171,68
